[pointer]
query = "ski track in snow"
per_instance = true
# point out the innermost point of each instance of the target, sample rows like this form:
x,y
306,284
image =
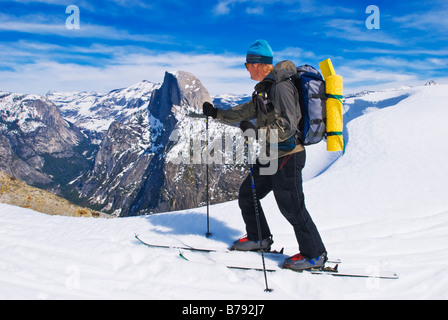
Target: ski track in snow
x,y
380,206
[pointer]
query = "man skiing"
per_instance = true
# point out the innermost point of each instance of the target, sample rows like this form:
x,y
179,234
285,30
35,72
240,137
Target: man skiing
x,y
275,106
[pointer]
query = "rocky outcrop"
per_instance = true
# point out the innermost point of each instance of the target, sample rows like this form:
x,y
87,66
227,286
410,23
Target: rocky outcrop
x,y
174,186
18,193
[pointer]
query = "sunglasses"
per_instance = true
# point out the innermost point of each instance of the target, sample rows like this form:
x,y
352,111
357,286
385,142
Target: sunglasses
x,y
247,64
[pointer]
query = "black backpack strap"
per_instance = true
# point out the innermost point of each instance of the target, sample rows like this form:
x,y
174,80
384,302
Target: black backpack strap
x,y
261,96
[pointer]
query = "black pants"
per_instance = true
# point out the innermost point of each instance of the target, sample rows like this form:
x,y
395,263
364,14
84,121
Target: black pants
x,y
286,184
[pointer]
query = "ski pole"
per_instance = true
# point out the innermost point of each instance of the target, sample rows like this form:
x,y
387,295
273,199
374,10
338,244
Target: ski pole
x,y
257,216
207,234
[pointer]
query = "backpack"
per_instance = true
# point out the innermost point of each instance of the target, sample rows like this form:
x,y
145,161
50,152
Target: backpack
x,y
311,86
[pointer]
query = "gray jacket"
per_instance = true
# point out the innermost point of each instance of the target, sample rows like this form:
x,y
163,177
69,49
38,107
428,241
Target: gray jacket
x,y
282,111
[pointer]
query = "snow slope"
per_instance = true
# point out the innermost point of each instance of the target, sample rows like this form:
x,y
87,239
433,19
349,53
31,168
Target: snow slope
x,y
381,206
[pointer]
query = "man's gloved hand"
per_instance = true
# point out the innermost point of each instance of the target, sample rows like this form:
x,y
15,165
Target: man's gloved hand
x,y
209,110
245,125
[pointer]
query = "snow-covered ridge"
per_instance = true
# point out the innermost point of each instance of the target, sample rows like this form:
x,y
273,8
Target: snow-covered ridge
x,y
226,101
96,111
19,109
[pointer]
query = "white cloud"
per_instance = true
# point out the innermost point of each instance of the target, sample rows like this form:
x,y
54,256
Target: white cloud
x,y
358,77
224,6
39,70
294,53
432,20
306,7
32,67
401,51
43,25
355,30
258,10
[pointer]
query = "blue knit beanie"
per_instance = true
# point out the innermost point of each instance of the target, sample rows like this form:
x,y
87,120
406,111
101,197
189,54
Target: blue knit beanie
x,y
260,52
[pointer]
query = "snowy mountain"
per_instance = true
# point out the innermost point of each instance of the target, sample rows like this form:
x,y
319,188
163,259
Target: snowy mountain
x,y
95,112
227,101
132,173
121,148
381,206
35,141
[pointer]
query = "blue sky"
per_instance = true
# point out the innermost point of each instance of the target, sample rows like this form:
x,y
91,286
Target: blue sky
x,y
121,42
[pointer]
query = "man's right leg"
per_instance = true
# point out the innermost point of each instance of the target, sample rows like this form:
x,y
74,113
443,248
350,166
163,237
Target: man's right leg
x,y
246,203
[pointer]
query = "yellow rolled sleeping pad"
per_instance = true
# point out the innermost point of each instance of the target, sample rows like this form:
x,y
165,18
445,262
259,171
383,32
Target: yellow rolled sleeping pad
x,y
334,91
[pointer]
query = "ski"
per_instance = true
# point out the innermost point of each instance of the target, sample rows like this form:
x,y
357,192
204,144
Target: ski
x,y
190,248
212,250
333,271
328,270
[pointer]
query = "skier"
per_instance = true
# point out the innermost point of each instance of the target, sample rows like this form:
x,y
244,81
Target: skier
x,y
281,112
